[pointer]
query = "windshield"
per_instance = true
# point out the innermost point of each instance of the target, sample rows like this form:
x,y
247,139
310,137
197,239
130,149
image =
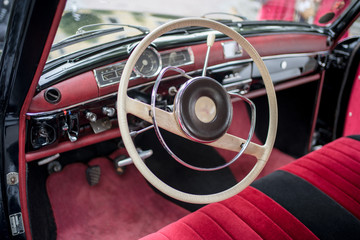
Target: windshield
x,y
100,13
5,9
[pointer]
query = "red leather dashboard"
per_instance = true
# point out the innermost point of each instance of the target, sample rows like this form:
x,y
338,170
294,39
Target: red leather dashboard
x,y
83,88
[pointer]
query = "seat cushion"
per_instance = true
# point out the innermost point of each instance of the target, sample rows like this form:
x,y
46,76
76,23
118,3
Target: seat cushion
x,y
335,170
316,196
316,210
248,215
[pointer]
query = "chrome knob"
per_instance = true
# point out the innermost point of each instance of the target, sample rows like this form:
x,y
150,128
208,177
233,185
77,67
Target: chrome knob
x,y
91,116
72,138
108,111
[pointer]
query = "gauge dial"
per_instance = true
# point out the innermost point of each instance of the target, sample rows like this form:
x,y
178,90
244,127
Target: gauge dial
x,y
149,63
108,76
111,74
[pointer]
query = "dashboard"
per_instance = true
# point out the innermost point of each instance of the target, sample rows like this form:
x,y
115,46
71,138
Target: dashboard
x,y
80,110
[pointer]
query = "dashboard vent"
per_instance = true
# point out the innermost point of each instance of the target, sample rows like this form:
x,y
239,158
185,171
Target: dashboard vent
x,y
52,95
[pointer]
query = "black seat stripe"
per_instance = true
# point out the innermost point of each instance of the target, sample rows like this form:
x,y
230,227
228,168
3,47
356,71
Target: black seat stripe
x,y
318,212
355,137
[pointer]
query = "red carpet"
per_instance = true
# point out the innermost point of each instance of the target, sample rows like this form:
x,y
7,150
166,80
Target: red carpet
x,y
244,164
119,207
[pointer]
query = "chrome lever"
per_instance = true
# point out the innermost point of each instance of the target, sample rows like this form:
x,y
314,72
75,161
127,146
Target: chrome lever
x,y
119,162
65,128
133,134
72,138
209,43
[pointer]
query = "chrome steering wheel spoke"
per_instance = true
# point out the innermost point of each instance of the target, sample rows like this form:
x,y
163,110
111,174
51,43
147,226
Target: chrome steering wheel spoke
x,y
167,148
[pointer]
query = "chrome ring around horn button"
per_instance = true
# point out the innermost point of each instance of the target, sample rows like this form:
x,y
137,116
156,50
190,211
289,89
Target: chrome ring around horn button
x,y
182,93
203,109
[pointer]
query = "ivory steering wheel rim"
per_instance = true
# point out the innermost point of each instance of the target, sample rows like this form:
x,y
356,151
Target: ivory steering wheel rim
x,y
127,105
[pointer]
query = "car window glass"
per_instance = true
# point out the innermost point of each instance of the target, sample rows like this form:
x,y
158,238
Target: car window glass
x,y
5,9
83,16
354,30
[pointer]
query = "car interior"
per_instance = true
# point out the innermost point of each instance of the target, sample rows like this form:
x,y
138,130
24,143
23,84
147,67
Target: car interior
x,y
229,129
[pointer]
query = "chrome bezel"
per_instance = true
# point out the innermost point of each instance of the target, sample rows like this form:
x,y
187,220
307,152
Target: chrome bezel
x,y
139,74
235,54
100,85
178,114
188,49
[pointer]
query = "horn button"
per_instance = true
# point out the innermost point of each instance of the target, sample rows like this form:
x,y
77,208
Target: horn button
x,y
203,109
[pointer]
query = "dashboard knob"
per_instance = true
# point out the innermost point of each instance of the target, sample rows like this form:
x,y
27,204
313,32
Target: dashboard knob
x,y
91,116
108,111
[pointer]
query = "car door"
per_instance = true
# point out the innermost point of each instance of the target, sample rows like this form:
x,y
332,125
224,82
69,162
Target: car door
x,y
27,35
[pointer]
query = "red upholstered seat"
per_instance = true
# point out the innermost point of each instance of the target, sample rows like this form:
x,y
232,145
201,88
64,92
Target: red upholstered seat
x,y
248,215
334,169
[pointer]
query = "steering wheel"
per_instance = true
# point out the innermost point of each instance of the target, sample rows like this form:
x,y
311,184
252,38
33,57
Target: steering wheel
x,y
172,122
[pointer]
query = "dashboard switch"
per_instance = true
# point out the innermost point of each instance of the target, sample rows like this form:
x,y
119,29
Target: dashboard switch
x,y
91,116
66,129
108,111
70,126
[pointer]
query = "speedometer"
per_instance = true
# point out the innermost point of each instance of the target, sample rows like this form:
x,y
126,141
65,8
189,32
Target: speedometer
x,y
149,63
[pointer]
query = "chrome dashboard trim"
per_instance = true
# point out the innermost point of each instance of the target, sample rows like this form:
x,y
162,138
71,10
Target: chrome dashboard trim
x,y
295,55
189,50
249,60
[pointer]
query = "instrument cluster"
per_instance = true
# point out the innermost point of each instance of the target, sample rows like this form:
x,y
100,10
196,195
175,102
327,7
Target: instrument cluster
x,y
149,65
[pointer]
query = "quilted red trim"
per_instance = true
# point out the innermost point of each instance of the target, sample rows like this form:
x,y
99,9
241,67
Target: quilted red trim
x,y
335,170
248,215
